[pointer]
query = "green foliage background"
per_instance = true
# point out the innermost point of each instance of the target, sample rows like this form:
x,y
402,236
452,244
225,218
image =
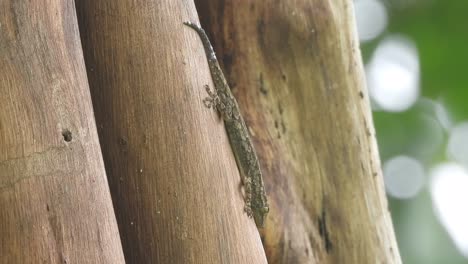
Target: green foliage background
x,y
440,32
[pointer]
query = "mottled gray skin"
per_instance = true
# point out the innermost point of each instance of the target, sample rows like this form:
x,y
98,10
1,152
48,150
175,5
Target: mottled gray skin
x,y
223,101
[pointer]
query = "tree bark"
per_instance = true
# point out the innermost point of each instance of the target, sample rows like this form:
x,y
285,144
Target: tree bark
x,y
296,70
54,198
172,174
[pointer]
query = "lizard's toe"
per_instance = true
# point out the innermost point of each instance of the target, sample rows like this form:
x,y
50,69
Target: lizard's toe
x,y
248,210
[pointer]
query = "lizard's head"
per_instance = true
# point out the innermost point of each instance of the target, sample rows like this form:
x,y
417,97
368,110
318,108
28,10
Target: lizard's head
x,y
260,216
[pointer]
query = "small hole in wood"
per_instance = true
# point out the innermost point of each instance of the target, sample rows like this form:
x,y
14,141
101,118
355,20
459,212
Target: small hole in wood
x,y
67,135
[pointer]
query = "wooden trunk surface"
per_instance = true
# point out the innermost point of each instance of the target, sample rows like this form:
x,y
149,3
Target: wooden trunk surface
x,y
172,174
54,196
296,69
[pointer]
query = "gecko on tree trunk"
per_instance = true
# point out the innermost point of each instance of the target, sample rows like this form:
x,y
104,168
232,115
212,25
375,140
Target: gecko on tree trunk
x,y
223,101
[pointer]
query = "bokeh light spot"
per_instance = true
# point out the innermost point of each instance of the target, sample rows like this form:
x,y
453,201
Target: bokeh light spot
x,y
404,177
393,74
443,116
457,148
449,190
371,18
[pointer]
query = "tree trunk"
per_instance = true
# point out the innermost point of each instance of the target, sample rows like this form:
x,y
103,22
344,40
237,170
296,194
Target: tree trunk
x,y
54,198
296,70
172,174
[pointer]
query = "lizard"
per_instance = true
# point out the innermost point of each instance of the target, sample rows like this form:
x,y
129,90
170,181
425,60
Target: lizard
x,y
224,102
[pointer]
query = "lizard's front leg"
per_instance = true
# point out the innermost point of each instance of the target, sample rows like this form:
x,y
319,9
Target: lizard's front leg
x,y
218,102
212,100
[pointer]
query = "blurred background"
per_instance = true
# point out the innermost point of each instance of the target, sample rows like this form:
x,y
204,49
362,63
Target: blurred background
x,y
416,60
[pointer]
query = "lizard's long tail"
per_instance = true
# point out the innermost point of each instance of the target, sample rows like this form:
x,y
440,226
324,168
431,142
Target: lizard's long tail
x,y
205,41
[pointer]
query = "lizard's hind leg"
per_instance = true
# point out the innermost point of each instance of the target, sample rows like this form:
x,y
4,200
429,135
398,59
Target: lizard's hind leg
x,y
248,196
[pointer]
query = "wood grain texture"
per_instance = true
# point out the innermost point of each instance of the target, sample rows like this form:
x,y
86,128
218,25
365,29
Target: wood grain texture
x,y
296,70
54,197
173,177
